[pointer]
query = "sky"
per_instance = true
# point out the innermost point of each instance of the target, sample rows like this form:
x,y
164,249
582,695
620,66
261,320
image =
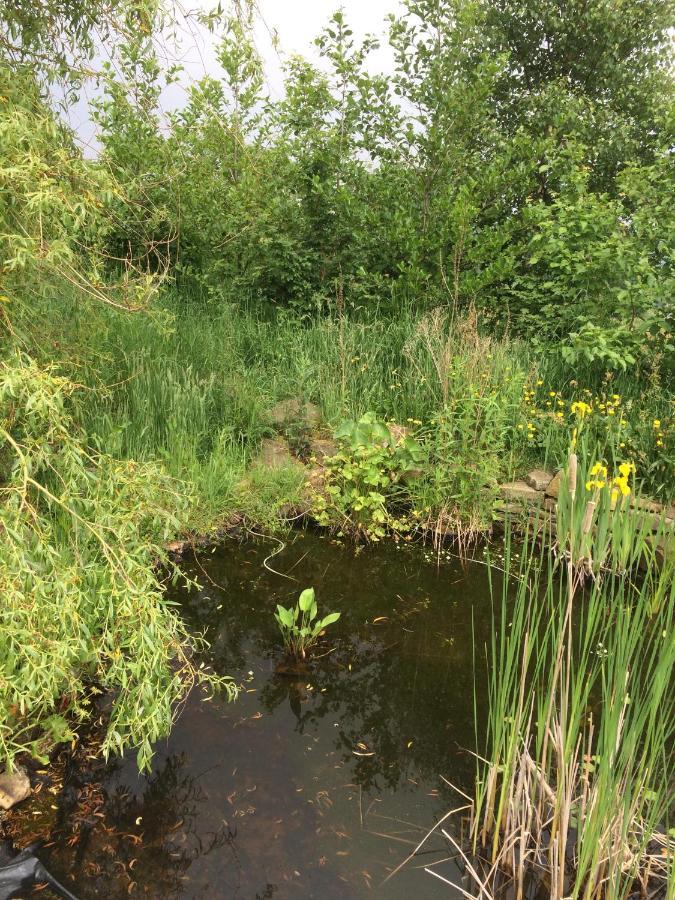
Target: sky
x,y
296,22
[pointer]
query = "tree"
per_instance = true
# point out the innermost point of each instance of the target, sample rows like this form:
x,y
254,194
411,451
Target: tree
x,y
55,37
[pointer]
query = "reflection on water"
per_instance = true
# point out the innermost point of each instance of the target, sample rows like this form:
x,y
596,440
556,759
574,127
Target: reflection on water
x,y
312,785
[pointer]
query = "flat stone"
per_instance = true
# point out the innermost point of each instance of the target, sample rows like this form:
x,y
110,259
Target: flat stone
x,y
14,787
664,548
508,509
553,487
321,448
646,504
275,454
295,411
520,490
398,432
657,523
539,479
544,520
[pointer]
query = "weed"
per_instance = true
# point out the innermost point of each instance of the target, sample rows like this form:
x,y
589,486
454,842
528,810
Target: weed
x,y
364,482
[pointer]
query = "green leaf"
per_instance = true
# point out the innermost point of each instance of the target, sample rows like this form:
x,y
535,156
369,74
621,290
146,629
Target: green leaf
x,y
285,616
306,599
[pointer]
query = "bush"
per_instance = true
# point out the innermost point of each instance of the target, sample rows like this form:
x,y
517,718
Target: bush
x,y
83,607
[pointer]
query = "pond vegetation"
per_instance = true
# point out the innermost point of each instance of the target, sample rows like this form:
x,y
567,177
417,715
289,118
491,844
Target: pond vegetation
x,y
425,314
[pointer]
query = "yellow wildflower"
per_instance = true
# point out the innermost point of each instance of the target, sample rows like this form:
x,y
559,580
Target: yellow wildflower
x,y
657,423
600,479
581,409
620,484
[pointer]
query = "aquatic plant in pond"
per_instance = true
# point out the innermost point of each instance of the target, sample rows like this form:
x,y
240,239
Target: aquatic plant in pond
x,y
574,786
298,624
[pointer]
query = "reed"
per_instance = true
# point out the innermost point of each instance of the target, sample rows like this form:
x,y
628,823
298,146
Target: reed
x,y
573,789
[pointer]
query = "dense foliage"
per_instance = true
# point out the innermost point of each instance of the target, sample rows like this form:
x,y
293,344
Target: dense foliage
x,y
82,607
503,164
470,245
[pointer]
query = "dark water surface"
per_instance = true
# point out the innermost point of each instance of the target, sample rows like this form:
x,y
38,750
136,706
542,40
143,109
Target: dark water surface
x,y
307,786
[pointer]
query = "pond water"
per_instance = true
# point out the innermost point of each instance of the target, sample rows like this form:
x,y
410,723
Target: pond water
x,y
307,786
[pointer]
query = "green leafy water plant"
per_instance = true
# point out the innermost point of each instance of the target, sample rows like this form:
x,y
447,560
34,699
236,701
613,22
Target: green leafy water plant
x,y
299,625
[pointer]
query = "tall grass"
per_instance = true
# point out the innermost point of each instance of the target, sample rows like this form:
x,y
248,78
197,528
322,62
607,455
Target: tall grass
x,y
191,384
574,789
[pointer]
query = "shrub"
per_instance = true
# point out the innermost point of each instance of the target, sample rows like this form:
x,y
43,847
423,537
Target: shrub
x,y
83,608
364,489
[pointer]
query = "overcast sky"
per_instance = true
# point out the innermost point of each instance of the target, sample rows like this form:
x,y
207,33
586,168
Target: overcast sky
x,y
296,22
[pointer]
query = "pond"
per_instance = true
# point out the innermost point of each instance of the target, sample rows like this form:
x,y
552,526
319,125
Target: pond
x,y
307,786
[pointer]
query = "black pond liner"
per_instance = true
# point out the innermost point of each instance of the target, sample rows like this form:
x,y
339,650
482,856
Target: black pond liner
x,y
21,871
